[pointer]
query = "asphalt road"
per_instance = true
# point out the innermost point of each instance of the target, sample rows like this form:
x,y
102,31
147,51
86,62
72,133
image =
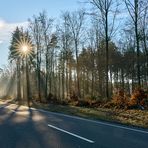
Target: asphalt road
x,y
21,127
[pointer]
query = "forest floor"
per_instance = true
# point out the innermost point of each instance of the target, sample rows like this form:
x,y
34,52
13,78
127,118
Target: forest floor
x,y
133,117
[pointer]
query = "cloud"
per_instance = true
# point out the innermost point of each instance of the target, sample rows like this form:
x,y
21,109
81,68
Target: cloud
x,y
6,29
1,42
2,24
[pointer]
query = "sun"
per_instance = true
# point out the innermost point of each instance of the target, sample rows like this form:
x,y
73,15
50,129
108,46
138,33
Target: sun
x,y
23,47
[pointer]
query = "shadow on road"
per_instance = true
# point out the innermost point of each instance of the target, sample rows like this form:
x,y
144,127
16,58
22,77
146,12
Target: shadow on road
x,y
20,127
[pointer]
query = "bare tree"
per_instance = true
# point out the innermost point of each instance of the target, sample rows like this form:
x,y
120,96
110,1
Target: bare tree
x,y
66,43
46,26
144,32
135,10
75,21
106,10
36,30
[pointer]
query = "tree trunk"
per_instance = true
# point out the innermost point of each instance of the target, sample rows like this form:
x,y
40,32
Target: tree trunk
x,y
107,55
77,69
27,83
137,41
38,73
18,81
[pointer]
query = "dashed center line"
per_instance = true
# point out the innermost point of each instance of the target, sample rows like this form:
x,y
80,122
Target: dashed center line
x,y
59,129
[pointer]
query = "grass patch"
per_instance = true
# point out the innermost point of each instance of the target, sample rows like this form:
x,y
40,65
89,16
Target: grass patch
x,y
129,117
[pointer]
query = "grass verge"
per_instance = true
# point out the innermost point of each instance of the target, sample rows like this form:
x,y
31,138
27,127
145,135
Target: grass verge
x,y
137,118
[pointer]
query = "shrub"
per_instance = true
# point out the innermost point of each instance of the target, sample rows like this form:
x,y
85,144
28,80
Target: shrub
x,y
120,100
139,98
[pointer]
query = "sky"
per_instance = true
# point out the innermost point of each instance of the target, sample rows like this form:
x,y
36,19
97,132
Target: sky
x,y
16,13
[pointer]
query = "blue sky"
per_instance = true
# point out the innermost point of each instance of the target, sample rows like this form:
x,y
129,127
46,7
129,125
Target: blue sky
x,y
16,13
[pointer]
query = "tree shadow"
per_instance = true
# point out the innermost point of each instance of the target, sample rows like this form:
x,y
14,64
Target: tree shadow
x,y
25,130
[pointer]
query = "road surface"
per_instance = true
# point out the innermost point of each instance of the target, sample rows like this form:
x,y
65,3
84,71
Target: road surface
x,y
21,127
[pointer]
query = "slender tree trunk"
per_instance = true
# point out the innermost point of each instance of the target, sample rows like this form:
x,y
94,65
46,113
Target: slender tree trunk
x,y
53,73
70,79
18,81
83,83
107,55
24,80
46,75
111,83
87,82
122,77
146,53
137,41
63,79
92,84
66,78
38,73
77,69
59,85
27,83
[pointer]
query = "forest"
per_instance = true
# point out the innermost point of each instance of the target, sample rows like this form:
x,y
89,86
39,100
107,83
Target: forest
x,y
95,57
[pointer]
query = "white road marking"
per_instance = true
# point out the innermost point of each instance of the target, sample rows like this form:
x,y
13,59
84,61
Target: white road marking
x,y
123,127
93,121
85,139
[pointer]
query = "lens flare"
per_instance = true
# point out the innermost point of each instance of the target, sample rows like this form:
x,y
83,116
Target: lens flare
x,y
23,47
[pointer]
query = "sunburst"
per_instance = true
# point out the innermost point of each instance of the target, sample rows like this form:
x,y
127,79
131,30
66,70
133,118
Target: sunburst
x,y
23,47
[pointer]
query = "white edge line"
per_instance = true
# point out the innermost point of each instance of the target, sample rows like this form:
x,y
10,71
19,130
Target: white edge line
x,y
93,121
85,139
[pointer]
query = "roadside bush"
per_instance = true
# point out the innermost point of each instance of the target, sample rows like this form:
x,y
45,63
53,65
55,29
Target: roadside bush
x,y
120,100
139,99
